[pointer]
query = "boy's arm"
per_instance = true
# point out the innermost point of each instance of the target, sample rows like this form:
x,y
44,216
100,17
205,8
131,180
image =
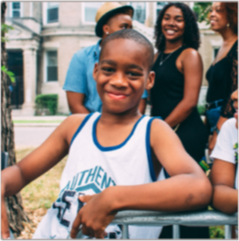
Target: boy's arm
x,y
225,197
188,187
14,178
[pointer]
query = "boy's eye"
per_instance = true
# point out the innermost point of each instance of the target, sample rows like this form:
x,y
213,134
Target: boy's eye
x,y
107,69
134,74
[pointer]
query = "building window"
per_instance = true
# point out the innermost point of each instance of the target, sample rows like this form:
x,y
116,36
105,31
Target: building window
x,y
16,9
90,9
51,65
159,7
139,11
52,12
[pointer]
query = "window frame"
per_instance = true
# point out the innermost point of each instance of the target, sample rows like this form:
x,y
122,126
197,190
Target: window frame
x,y
45,65
146,10
11,9
44,15
83,15
155,12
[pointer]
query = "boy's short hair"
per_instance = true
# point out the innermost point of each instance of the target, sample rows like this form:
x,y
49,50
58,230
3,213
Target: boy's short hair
x,y
135,36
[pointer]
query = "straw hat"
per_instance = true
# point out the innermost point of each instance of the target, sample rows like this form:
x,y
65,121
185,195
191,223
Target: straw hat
x,y
108,10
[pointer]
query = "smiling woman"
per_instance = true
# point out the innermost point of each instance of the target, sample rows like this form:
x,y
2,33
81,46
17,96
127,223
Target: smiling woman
x,y
222,74
178,69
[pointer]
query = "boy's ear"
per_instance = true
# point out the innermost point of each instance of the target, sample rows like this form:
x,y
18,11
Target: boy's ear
x,y
150,80
95,71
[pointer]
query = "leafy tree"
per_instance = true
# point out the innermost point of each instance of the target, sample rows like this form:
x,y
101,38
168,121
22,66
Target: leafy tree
x,y
201,10
15,212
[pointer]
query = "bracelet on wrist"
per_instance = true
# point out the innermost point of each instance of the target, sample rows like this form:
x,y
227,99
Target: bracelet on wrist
x,y
216,130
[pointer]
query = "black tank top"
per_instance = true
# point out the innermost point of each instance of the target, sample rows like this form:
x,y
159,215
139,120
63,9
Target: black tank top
x,y
169,85
218,82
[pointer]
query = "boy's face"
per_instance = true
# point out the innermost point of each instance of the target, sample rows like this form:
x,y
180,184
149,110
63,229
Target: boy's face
x,y
234,97
122,75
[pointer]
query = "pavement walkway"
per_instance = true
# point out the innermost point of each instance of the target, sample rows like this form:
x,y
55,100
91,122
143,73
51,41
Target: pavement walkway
x,y
36,121
42,121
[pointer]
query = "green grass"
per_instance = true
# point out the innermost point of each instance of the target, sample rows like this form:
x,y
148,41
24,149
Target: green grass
x,y
36,121
43,191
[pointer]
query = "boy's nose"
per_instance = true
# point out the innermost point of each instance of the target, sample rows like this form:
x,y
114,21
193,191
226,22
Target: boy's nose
x,y
119,81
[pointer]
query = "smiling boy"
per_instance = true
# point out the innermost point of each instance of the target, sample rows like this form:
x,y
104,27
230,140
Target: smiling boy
x,y
110,167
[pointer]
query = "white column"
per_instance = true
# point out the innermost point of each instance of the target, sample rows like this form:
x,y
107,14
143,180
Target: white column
x,y
30,79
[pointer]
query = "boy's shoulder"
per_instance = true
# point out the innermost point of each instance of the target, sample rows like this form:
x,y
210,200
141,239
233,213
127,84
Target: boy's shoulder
x,y
158,124
70,125
160,131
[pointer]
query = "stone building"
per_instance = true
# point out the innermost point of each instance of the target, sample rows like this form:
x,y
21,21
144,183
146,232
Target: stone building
x,y
47,34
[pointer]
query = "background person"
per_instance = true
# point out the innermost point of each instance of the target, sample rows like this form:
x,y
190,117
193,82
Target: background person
x,y
79,85
222,74
174,96
224,173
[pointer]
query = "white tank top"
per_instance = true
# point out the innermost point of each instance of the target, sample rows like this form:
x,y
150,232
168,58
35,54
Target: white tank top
x,y
91,168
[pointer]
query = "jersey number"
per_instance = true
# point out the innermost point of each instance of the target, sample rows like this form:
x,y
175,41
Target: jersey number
x,y
68,206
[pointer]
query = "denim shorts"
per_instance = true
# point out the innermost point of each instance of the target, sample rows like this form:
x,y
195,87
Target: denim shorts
x,y
212,117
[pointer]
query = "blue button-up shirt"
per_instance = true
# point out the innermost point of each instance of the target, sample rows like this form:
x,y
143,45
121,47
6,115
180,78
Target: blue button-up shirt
x,y
79,77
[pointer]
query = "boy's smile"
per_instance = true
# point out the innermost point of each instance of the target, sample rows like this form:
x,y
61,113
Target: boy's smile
x,y
122,75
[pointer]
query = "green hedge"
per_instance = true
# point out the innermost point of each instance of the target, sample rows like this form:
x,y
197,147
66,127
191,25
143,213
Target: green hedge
x,y
201,109
49,101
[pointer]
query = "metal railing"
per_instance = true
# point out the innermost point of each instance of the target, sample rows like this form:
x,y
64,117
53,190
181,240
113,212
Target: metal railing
x,y
152,218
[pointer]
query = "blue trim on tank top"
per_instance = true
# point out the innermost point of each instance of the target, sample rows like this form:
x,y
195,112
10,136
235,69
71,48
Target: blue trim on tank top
x,y
148,149
112,148
81,126
150,160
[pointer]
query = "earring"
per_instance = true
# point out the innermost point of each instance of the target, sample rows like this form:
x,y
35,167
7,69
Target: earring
x,y
107,33
228,25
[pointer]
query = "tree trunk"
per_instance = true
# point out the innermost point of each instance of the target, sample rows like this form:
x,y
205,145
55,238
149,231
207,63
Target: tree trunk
x,y
16,214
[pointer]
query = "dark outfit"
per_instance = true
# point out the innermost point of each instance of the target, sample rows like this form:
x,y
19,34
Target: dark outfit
x,y
222,80
166,94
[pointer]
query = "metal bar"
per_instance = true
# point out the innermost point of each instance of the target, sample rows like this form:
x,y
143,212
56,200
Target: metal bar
x,y
228,231
204,218
176,231
125,231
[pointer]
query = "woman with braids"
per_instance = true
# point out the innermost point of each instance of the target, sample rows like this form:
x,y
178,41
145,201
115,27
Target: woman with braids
x,y
222,74
178,68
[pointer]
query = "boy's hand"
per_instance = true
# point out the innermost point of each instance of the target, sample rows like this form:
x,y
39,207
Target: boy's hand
x,y
5,233
94,216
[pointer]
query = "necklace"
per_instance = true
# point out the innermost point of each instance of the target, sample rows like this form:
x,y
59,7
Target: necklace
x,y
163,60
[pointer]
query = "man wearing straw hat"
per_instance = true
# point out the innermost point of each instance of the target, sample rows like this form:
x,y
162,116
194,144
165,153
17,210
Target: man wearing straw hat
x,y
80,87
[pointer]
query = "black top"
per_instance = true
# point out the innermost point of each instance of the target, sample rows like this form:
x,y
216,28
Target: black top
x,y
168,88
166,94
222,81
